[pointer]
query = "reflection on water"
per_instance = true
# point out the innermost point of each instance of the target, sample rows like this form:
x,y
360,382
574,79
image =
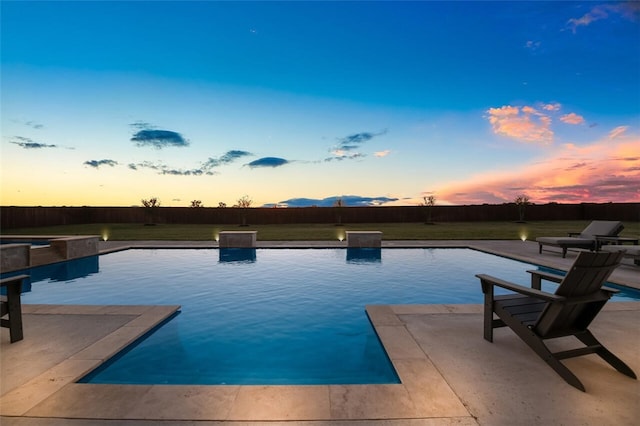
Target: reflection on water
x,y
240,255
61,271
364,255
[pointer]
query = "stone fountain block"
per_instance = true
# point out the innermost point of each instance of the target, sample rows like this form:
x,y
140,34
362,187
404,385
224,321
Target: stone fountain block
x,y
364,238
237,239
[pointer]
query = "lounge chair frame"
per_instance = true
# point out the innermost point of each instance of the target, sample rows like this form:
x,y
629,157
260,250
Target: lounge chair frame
x,y
535,315
587,239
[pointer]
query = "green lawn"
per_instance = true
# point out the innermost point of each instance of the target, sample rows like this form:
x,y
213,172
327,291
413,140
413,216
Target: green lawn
x,y
324,232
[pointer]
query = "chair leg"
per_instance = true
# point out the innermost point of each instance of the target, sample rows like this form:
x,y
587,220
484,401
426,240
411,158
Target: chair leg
x,y
488,311
536,343
589,339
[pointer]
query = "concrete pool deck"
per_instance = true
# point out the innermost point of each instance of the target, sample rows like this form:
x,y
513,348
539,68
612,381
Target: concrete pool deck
x,y
449,374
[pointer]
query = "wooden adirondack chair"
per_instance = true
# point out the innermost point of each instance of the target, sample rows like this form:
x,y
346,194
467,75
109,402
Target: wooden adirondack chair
x,y
535,315
11,306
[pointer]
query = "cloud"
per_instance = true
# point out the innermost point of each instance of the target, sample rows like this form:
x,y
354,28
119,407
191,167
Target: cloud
x,y
348,200
572,118
354,141
607,170
618,132
34,125
28,143
268,162
381,154
341,155
628,10
228,157
524,123
97,163
163,169
346,146
158,138
532,45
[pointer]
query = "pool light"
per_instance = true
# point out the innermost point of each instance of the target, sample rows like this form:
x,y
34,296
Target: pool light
x,y
105,235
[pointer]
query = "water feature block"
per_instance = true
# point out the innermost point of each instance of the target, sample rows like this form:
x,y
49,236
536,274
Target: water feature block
x,y
75,247
364,238
237,239
14,257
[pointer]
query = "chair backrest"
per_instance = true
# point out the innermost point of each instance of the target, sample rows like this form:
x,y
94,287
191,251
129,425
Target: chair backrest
x,y
609,228
585,278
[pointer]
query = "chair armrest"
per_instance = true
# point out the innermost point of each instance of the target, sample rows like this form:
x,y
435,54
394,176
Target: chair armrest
x,y
546,275
489,280
7,281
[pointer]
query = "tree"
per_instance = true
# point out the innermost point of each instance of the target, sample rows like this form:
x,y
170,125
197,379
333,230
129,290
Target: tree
x,y
222,204
151,202
428,203
150,207
521,201
244,203
339,203
196,203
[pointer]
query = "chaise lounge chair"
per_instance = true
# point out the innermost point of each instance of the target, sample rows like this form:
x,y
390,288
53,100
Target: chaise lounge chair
x,y
535,315
585,239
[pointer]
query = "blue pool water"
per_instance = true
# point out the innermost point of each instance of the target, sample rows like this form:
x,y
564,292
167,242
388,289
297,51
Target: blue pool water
x,y
268,316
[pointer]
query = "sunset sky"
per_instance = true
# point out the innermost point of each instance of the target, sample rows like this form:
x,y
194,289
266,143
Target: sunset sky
x,y
104,103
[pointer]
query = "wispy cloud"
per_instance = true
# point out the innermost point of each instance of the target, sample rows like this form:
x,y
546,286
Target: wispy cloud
x,y
28,143
347,200
618,132
381,154
34,125
354,141
347,146
606,170
629,10
268,162
97,163
227,158
341,155
163,169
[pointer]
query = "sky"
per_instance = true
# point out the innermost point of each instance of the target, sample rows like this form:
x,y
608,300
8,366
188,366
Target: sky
x,y
106,103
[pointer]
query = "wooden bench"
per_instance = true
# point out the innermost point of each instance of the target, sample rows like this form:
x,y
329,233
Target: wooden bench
x,y
10,305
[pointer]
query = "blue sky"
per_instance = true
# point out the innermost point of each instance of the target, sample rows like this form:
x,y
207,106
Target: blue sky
x,y
296,103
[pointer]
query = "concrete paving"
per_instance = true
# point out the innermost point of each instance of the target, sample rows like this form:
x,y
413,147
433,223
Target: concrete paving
x,y
450,375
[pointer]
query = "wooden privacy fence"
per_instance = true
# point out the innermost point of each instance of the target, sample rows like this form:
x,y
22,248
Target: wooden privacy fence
x,y
25,217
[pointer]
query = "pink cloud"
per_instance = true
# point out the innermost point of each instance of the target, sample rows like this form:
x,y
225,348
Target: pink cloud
x,y
572,118
381,154
605,171
526,123
628,10
617,132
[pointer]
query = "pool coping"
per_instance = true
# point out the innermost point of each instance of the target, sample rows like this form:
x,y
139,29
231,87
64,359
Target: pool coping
x,y
423,393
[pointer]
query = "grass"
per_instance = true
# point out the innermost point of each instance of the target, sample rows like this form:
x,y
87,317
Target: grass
x,y
325,232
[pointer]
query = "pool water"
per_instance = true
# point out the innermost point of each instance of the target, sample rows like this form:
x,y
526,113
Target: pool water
x,y
267,316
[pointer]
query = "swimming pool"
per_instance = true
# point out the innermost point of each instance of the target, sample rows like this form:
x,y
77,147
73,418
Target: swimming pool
x,y
267,316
